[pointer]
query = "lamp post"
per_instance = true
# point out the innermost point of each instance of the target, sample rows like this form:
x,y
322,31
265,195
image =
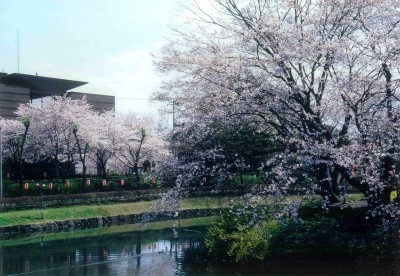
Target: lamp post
x,y
1,163
41,197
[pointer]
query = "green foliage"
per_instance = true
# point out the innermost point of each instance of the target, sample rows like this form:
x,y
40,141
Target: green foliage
x,y
11,188
230,237
314,202
315,236
253,179
19,217
74,187
355,197
148,181
219,239
393,195
26,121
75,128
246,180
254,243
311,207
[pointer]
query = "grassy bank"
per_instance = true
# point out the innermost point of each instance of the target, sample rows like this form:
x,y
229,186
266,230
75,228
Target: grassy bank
x,y
40,237
91,211
51,214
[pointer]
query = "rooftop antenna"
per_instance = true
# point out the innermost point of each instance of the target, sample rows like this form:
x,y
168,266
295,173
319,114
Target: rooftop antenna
x,y
18,51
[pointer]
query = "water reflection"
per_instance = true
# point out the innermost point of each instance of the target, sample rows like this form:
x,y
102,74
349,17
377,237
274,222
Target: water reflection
x,y
162,253
132,253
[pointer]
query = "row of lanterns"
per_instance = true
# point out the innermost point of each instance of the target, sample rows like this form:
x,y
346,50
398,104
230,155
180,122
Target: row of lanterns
x,y
26,185
67,183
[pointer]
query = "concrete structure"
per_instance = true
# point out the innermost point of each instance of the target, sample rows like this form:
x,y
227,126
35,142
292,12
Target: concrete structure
x,y
99,102
16,89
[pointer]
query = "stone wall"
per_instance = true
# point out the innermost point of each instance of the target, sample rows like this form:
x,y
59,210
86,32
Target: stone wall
x,y
79,224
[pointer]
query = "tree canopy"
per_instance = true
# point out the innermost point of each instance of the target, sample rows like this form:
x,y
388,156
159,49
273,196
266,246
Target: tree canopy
x,y
63,131
318,77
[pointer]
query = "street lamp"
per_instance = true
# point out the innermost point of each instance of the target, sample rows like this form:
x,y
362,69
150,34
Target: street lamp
x,y
1,163
41,197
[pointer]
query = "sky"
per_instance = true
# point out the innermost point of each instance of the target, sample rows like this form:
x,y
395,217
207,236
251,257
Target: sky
x,y
103,42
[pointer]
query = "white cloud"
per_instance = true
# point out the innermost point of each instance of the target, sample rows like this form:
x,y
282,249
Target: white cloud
x,y
112,55
130,77
134,80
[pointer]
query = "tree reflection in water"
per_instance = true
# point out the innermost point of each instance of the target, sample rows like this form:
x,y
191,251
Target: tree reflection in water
x,y
146,253
160,253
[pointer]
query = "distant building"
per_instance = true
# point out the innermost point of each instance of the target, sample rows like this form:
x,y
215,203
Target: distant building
x,y
16,89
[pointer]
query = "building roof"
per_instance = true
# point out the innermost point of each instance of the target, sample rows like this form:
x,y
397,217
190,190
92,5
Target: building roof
x,y
40,86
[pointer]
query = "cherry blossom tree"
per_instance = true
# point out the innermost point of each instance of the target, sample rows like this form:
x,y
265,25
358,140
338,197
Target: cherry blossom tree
x,y
51,135
322,76
65,131
15,142
138,141
85,134
103,148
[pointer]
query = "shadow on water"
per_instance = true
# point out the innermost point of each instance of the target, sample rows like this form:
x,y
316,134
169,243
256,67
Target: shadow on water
x,y
361,265
155,252
160,252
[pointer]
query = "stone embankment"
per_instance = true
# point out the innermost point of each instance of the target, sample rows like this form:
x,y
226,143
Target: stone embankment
x,y
87,223
354,212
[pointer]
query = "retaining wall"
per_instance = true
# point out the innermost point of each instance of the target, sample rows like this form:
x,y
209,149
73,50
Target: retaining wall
x,y
87,223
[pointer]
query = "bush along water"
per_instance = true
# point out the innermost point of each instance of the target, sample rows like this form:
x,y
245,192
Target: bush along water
x,y
74,185
236,235
241,237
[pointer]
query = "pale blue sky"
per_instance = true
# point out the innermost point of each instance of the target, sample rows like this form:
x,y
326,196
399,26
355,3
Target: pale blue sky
x,y
105,42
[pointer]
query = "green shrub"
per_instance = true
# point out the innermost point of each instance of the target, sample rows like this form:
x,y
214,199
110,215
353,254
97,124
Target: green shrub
x,y
74,187
149,181
12,188
218,239
254,243
230,237
393,195
252,179
315,236
230,232
311,207
246,180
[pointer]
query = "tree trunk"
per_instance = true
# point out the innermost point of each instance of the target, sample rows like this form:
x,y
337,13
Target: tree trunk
x,y
19,174
83,178
56,162
329,188
104,171
103,166
388,177
136,171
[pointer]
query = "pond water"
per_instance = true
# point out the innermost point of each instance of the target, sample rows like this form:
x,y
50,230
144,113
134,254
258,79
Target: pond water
x,y
121,253
160,252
